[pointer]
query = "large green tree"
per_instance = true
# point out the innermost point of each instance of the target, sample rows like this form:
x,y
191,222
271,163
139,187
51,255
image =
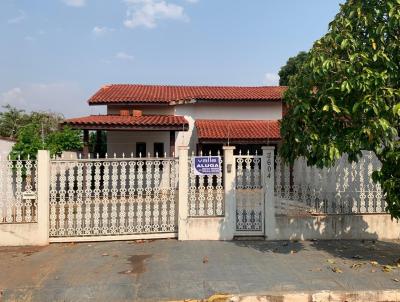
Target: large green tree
x,y
13,119
37,130
291,68
345,97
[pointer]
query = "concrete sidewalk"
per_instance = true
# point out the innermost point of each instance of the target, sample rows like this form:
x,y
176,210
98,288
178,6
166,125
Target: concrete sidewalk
x,y
172,270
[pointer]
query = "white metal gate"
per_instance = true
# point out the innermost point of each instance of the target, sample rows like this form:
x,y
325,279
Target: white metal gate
x,y
113,199
249,195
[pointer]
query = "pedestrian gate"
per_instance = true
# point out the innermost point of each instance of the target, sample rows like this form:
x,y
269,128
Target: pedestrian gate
x,y
249,196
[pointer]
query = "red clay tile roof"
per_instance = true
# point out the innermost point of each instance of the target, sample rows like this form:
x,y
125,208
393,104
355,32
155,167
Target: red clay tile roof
x,y
222,130
145,122
126,93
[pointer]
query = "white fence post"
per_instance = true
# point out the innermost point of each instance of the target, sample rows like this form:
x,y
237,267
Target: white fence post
x,y
183,192
268,180
43,191
229,171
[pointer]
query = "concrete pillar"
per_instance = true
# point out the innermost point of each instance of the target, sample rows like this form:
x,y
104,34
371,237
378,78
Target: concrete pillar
x,y
229,171
268,180
43,191
183,192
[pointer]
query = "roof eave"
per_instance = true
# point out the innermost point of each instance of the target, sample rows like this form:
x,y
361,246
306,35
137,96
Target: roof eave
x,y
127,103
126,127
238,140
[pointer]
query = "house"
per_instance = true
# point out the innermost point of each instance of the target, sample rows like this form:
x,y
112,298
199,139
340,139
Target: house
x,y
156,119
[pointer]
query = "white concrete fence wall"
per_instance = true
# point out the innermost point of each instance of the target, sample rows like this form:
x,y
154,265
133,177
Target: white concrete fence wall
x,y
36,231
296,225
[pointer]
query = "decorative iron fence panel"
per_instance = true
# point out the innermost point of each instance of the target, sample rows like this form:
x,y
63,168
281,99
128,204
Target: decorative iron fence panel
x,y
18,186
249,194
206,193
111,197
342,189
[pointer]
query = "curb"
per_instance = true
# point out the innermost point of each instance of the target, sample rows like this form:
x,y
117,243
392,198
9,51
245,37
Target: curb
x,y
320,296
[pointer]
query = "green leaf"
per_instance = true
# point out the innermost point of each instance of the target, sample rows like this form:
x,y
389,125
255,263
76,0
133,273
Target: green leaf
x,y
336,108
384,123
325,108
333,153
396,108
356,106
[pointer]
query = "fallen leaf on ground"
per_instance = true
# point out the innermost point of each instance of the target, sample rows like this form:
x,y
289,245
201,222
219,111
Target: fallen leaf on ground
x,y
336,270
293,252
373,262
387,268
218,298
396,280
205,259
356,265
331,261
105,254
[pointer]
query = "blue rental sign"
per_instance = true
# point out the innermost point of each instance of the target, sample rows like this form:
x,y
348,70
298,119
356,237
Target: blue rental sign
x,y
207,165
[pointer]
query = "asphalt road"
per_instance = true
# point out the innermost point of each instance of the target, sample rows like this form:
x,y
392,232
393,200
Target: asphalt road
x,y
171,270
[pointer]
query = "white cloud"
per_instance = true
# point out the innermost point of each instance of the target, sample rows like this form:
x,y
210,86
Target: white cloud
x,y
124,56
271,79
66,98
101,30
75,3
13,97
147,13
17,19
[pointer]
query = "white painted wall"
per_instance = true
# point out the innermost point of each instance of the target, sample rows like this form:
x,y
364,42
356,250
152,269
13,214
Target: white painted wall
x,y
119,142
376,226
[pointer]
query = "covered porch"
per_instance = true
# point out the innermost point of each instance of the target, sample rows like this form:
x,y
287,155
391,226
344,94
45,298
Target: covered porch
x,y
248,136
129,135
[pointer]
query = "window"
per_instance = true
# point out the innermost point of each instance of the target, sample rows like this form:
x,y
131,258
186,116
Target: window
x,y
159,149
141,149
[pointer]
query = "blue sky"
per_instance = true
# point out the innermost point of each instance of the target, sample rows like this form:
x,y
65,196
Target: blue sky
x,y
54,54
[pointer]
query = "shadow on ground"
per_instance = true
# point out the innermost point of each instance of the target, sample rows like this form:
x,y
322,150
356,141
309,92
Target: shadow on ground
x,y
371,249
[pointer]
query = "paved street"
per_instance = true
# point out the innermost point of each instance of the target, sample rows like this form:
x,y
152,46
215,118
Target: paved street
x,y
171,270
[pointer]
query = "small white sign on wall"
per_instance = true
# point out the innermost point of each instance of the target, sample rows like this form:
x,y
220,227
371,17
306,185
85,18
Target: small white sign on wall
x,y
206,165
